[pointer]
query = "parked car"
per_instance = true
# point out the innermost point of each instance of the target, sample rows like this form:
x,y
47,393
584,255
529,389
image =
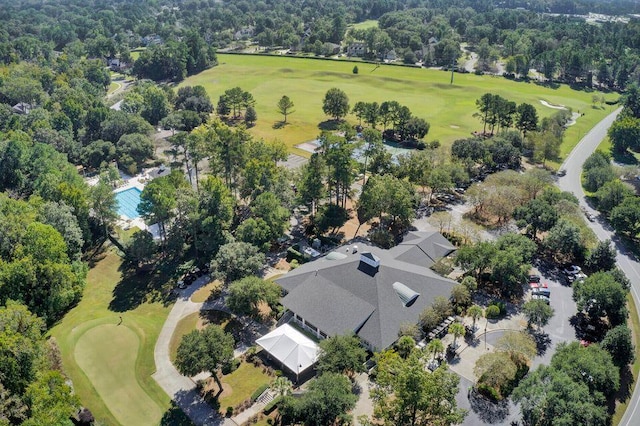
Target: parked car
x,y
534,278
540,288
590,216
580,276
571,270
561,172
541,297
181,284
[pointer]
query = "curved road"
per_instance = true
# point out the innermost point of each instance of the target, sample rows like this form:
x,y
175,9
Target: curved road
x,y
625,259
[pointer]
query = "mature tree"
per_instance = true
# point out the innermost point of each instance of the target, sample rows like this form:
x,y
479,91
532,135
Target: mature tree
x,y
538,312
341,354
205,350
141,247
602,257
476,258
591,365
601,295
406,393
618,343
20,346
527,118
435,347
282,386
62,218
387,196
520,346
327,400
625,218
285,106
611,195
250,116
335,104
460,296
159,199
458,330
474,312
565,241
625,133
51,400
269,208
536,215
238,100
548,397
156,105
104,205
246,295
215,213
546,146
496,369
236,260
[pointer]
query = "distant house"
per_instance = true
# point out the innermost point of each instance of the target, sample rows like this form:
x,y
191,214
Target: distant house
x,y
22,108
115,64
244,33
151,40
357,49
390,55
367,290
332,47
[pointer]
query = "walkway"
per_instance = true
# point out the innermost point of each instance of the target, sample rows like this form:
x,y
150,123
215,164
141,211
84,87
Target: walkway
x,y
180,388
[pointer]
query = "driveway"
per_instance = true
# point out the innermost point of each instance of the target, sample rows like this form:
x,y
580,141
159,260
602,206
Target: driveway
x,y
625,259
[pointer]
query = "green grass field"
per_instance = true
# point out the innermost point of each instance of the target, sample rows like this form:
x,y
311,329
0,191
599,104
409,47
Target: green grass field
x,y
364,25
448,108
111,365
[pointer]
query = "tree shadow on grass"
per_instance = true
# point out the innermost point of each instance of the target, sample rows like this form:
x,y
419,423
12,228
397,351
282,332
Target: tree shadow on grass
x,y
625,157
488,411
137,287
279,125
174,416
329,125
625,391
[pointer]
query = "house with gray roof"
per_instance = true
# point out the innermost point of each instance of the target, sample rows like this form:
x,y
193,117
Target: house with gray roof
x,y
368,290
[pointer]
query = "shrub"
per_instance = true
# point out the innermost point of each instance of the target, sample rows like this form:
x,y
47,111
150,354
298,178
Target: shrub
x,y
492,312
256,393
272,405
229,412
355,69
489,391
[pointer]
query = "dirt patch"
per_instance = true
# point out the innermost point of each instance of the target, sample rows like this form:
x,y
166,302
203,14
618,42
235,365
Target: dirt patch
x,y
212,387
349,229
453,126
203,293
282,265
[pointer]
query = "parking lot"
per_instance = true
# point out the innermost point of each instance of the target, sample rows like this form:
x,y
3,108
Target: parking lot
x,y
558,330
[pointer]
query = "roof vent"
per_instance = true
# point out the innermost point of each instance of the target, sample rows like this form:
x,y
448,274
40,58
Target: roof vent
x,y
406,295
370,259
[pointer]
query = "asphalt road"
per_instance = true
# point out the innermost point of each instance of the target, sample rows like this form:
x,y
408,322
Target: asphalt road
x,y
625,259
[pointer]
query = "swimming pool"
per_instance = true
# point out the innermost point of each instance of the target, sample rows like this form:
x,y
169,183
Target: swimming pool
x,y
128,201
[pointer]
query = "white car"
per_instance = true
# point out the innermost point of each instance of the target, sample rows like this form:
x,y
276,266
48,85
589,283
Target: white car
x,y
580,276
572,270
542,297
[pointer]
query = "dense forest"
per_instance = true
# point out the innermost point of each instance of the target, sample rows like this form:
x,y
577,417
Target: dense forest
x,y
545,35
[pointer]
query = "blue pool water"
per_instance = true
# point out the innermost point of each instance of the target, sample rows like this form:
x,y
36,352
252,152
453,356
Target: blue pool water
x,y
128,201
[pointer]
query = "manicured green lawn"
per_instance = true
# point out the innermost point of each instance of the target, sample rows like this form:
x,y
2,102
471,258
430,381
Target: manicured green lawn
x,y
243,382
448,108
365,24
634,324
111,365
185,326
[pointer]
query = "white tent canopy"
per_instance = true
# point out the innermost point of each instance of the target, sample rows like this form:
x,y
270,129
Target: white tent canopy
x,y
293,349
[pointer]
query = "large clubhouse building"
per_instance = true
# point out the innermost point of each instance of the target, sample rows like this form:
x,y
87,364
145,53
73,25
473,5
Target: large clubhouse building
x,y
367,290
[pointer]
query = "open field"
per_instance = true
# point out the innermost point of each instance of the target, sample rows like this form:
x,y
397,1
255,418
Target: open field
x,y
364,25
448,108
110,364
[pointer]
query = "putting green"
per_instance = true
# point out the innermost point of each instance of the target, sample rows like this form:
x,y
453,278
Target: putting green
x,y
111,370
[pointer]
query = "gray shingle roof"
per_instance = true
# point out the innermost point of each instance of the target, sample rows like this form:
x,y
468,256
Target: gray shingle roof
x,y
343,295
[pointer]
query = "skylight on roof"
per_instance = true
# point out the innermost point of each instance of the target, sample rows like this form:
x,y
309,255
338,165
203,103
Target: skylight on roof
x,y
406,295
